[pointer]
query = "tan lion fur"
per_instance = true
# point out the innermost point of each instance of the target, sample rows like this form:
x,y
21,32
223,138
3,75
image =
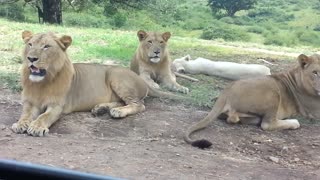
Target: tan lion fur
x,y
68,87
268,100
152,62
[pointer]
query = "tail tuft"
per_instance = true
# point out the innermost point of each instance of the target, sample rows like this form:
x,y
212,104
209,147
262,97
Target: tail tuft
x,y
202,144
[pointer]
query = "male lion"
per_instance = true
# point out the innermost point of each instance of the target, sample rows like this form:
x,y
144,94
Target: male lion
x,y
268,100
151,61
52,86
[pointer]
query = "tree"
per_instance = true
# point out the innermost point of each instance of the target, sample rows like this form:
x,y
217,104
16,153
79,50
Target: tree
x,y
230,6
52,11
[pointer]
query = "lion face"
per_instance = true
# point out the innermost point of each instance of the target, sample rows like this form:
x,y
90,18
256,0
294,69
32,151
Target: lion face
x,y
153,45
310,73
180,63
44,54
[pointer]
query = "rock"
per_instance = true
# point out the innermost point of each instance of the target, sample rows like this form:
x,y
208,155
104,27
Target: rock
x,y
274,159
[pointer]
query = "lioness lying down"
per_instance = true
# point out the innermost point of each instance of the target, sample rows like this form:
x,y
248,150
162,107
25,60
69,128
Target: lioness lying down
x,y
152,62
229,70
52,86
268,100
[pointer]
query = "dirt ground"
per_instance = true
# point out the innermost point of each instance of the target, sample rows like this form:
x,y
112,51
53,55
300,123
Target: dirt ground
x,y
149,145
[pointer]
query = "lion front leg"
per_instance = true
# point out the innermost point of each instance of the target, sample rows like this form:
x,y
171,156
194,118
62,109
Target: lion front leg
x,y
147,78
169,82
28,113
40,126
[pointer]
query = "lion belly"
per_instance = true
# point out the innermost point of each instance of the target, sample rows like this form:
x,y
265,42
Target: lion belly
x,y
88,88
260,95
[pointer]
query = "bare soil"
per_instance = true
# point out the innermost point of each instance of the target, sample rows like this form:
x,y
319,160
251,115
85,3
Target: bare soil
x,y
149,145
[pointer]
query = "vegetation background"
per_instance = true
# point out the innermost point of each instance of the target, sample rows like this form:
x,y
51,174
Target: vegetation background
x,y
104,30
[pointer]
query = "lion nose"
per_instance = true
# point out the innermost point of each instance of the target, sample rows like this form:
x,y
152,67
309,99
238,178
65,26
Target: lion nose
x,y
157,52
32,59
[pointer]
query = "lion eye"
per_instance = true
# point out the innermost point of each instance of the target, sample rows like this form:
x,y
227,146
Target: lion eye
x,y
161,42
30,45
315,72
46,46
150,42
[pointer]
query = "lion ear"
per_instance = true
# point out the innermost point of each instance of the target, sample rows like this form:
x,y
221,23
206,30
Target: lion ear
x,y
187,57
304,61
26,36
166,36
142,35
65,41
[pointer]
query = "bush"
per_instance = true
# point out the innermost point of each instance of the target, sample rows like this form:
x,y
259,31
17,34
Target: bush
x,y
119,20
263,14
317,28
256,29
308,38
12,12
226,33
238,20
84,20
281,39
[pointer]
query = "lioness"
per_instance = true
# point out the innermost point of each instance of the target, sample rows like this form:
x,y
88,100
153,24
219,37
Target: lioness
x,y
269,100
52,86
228,70
151,61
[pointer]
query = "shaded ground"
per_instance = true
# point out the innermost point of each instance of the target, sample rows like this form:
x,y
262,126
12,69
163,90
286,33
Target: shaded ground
x,y
149,145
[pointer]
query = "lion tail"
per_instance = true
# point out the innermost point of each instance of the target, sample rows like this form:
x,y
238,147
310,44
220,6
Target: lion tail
x,y
161,94
213,115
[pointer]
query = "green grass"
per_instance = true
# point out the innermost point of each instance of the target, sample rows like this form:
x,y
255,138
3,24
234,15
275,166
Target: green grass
x,y
97,45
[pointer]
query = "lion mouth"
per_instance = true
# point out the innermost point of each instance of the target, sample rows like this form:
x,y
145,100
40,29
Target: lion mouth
x,y
155,59
36,71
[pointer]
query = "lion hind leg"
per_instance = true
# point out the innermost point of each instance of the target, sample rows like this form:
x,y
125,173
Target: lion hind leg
x,y
277,124
103,108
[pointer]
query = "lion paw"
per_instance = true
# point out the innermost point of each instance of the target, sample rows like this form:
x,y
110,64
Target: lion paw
x,y
117,113
20,127
155,85
37,129
99,110
294,123
183,89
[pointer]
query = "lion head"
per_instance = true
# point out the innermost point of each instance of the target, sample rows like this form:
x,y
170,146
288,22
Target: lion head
x,y
310,73
44,55
179,63
153,45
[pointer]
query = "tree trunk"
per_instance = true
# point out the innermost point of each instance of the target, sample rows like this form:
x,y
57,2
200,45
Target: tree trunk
x,y
52,11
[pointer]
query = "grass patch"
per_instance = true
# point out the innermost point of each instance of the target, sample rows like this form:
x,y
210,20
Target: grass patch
x,y
10,80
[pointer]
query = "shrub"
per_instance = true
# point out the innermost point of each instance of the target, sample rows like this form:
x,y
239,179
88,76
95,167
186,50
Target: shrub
x,y
226,33
263,14
238,20
308,38
256,29
119,20
281,39
84,20
317,28
12,12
